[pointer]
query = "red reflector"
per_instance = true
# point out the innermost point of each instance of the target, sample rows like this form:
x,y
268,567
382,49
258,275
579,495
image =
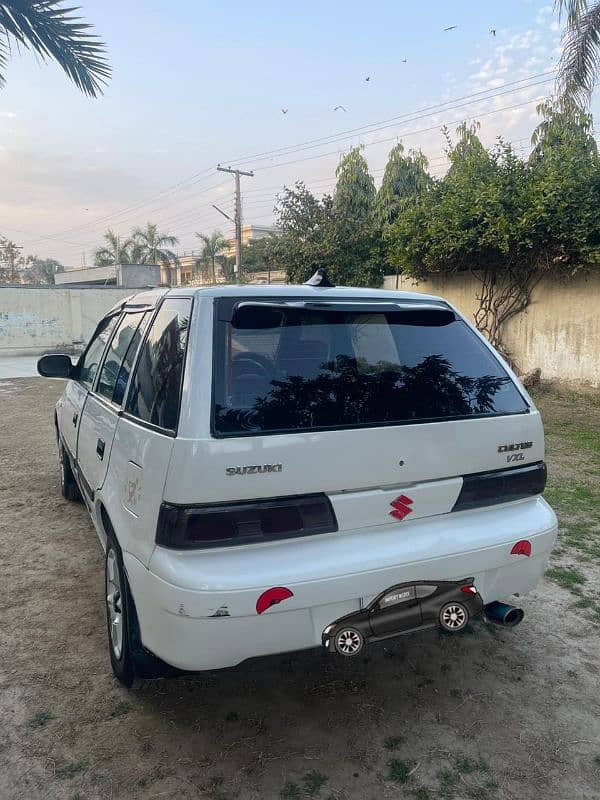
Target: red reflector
x,y
522,548
468,589
271,597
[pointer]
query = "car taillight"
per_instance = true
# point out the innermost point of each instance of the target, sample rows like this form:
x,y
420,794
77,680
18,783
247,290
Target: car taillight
x,y
468,589
501,486
246,522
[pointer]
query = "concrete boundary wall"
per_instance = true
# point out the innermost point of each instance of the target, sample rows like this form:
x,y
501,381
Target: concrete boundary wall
x,y
34,320
559,332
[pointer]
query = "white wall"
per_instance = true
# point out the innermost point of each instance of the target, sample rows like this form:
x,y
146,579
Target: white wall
x,y
35,320
559,332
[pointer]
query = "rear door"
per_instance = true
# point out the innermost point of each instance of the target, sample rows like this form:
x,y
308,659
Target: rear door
x,y
102,407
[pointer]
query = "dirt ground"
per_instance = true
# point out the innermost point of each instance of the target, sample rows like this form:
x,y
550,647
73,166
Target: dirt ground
x,y
489,714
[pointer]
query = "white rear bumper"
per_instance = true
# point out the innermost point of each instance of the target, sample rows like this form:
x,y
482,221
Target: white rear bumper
x,y
329,575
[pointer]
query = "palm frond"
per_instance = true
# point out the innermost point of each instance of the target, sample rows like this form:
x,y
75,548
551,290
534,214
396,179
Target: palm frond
x,y
578,69
572,9
53,31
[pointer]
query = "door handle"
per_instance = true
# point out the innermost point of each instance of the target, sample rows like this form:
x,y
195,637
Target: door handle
x,y
100,448
75,418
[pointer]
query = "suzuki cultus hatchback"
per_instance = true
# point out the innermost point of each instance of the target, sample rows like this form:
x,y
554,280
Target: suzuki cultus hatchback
x,y
262,461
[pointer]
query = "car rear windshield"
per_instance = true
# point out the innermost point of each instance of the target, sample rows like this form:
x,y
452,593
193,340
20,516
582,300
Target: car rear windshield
x,y
292,367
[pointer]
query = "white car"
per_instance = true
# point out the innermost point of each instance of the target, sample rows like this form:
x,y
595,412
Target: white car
x,y
260,461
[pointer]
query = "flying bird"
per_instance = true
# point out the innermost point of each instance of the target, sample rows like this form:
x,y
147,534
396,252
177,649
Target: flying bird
x,y
493,31
451,27
284,110
368,78
404,61
338,108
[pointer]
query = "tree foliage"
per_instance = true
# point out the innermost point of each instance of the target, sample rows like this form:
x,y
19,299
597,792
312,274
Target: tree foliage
x,y
405,180
52,30
580,62
149,246
507,220
338,233
214,245
115,250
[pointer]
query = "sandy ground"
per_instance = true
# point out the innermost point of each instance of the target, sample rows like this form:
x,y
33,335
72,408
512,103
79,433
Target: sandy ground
x,y
492,713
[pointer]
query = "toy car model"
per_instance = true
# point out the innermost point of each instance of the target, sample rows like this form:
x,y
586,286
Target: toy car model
x,y
405,608
261,460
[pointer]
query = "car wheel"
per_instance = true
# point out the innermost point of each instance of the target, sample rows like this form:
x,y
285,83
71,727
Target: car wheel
x,y
118,614
348,642
68,484
454,617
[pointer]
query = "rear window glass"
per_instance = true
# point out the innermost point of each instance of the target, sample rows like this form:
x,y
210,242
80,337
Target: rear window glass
x,y
296,369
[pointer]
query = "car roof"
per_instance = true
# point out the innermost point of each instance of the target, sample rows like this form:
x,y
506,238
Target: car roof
x,y
274,290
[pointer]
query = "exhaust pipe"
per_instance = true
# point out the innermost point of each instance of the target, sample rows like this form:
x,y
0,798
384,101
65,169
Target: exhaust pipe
x,y
503,614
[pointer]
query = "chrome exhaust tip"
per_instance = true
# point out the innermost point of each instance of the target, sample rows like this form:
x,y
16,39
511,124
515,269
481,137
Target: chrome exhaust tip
x,y
504,614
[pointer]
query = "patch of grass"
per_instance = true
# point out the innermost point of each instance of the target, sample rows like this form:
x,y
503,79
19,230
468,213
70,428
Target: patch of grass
x,y
290,791
40,719
421,793
467,766
572,499
120,709
399,770
70,770
313,782
392,742
567,577
448,780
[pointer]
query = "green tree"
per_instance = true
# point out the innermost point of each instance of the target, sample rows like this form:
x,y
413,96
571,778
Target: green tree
x,y
11,261
42,270
51,30
213,246
259,255
354,195
304,243
115,250
579,64
405,180
149,246
506,220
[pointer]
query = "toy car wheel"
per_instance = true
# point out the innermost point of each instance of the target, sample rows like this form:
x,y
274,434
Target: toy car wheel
x,y
348,642
453,617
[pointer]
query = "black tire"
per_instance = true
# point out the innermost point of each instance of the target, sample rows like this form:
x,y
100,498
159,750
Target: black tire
x,y
115,582
348,642
454,617
68,484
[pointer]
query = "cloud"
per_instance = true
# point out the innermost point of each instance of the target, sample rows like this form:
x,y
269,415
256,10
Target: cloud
x,y
7,115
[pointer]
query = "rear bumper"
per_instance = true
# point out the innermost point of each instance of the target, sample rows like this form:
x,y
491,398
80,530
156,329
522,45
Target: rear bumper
x,y
199,610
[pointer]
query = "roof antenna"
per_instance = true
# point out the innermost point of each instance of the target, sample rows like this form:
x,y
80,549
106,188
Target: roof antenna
x,y
320,279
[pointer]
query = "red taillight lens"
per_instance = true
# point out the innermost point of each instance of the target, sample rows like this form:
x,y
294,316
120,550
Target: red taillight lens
x,y
468,589
221,525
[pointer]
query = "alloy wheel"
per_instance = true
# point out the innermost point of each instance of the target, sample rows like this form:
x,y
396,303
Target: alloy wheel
x,y
114,603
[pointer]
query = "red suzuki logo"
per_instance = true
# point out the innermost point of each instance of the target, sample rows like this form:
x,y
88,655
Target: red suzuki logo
x,y
402,507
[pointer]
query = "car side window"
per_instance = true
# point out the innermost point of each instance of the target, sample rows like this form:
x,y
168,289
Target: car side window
x,y
88,366
155,389
129,359
116,352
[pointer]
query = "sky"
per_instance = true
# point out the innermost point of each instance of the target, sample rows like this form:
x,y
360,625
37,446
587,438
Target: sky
x,y
199,83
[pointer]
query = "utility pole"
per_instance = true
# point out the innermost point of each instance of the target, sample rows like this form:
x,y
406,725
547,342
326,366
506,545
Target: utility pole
x,y
238,215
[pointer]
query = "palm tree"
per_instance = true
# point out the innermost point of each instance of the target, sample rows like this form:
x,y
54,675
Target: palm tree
x,y
579,65
115,251
213,246
53,31
152,247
